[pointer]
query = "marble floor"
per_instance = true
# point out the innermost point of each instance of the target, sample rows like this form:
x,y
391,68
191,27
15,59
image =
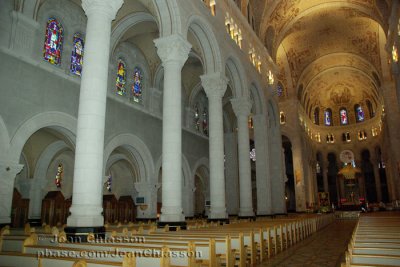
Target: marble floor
x,y
323,249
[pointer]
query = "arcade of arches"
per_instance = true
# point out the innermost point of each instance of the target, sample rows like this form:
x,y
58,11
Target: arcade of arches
x,y
125,110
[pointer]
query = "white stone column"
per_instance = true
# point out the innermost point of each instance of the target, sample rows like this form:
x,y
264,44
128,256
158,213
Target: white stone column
x,y
231,173
215,86
263,176
87,203
35,200
242,107
173,51
8,171
374,162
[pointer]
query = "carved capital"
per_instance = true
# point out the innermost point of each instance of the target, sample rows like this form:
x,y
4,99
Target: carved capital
x,y
9,170
108,8
173,48
214,84
241,106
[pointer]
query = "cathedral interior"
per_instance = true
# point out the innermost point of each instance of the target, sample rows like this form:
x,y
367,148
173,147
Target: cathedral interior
x,y
165,113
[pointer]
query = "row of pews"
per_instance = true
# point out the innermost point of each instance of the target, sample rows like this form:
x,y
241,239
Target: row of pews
x,y
240,243
375,240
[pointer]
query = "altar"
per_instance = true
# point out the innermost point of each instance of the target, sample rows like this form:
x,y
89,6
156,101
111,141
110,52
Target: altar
x,y
349,186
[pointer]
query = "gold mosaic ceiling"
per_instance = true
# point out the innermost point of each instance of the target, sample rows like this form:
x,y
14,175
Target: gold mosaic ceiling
x,y
324,46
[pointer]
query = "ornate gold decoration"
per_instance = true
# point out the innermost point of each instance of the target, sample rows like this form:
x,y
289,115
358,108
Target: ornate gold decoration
x,y
349,172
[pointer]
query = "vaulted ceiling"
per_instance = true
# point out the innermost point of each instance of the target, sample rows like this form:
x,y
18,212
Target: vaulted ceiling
x,y
325,49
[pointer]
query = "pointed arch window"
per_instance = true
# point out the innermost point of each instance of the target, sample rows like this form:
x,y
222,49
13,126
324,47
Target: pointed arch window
x,y
77,55
53,42
121,78
316,116
137,85
328,117
359,113
344,120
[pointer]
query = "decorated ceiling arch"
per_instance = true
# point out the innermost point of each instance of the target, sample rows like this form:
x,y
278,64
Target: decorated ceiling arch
x,y
332,50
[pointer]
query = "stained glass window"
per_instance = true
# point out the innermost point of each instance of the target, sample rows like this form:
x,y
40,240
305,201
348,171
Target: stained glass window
x,y
328,117
108,183
279,89
53,42
121,78
137,85
205,122
59,175
395,54
359,113
77,55
343,116
196,118
253,154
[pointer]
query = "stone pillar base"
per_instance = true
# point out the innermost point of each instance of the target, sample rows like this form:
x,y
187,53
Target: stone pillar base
x,y
221,221
172,225
80,234
246,212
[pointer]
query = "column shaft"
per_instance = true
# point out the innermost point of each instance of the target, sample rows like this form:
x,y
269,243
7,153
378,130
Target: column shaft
x,y
215,86
242,108
263,176
173,51
86,206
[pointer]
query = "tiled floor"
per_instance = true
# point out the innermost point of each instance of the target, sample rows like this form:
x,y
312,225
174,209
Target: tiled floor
x,y
323,249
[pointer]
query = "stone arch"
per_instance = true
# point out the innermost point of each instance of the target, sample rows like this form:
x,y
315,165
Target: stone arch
x,y
137,148
318,7
237,77
126,23
205,36
168,12
194,93
59,121
201,162
257,96
4,136
270,39
273,112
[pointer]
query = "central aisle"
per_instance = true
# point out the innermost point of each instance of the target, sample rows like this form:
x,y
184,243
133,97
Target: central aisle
x,y
324,249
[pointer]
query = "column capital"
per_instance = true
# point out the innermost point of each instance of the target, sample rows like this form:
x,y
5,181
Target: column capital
x,y
10,169
241,106
214,84
105,7
173,48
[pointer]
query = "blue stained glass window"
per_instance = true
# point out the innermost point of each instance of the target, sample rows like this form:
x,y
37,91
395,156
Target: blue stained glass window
x,y
343,116
359,113
137,85
328,117
77,55
121,78
53,42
